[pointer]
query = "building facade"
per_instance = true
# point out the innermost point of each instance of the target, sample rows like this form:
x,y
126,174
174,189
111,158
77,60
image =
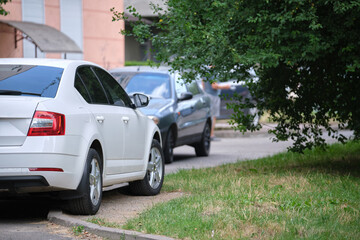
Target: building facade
x,y
135,51
87,22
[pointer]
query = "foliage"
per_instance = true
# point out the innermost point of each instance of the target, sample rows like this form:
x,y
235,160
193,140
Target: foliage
x,y
314,195
305,53
2,10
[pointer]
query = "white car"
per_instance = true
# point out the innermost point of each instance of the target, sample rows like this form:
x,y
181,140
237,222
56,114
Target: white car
x,y
67,127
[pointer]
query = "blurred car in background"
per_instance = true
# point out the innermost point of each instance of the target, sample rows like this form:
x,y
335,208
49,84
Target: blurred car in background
x,y
239,89
181,110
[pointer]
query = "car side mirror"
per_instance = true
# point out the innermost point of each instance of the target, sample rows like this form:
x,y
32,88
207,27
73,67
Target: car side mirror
x,y
140,100
185,96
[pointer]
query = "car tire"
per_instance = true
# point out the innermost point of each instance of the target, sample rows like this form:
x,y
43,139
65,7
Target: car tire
x,y
154,177
202,148
90,187
169,147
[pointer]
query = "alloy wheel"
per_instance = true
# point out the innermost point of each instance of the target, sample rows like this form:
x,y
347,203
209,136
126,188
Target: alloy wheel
x,y
95,182
155,168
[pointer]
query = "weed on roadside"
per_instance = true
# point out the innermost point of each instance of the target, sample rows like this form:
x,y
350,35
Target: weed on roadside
x,y
77,230
102,222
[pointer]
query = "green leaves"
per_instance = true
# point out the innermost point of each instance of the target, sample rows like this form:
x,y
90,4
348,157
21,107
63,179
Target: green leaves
x,y
307,49
2,10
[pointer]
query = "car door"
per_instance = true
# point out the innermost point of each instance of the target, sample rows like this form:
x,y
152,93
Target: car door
x,y
186,111
133,123
108,118
201,107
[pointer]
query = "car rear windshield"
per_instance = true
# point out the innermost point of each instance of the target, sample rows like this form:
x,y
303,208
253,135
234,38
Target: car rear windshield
x,y
154,84
29,80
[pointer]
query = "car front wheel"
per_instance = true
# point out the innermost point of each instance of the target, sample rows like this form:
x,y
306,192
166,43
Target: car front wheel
x,y
152,182
90,187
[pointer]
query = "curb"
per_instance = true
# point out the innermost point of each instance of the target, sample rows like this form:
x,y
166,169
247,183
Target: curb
x,y
62,219
224,130
232,134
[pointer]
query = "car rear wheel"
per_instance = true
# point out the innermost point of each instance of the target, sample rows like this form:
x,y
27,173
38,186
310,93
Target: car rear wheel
x,y
152,182
169,147
202,148
90,187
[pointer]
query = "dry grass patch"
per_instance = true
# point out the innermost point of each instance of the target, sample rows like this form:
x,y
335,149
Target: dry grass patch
x,y
265,207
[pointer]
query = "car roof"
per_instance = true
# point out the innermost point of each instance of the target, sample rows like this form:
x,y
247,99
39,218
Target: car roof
x,y
63,63
162,69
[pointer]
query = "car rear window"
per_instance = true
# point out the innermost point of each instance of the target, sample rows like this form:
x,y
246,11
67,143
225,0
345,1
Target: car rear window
x,y
29,80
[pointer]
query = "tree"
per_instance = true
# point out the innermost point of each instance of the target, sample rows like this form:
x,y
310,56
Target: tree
x,y
2,10
306,54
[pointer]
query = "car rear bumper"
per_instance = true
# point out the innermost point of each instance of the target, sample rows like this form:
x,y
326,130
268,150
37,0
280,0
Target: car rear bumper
x,y
59,171
50,164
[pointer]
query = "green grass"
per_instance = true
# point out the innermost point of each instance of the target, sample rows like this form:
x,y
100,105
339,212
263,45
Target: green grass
x,y
78,230
288,196
137,63
102,222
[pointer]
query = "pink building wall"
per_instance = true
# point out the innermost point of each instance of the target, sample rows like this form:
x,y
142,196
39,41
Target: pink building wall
x,y
7,42
102,42
52,18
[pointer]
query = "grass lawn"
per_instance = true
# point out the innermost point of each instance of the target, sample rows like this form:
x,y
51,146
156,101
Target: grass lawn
x,y
288,196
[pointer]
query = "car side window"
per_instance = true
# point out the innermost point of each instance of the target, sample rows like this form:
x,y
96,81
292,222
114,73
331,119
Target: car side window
x,y
79,85
92,85
180,86
115,92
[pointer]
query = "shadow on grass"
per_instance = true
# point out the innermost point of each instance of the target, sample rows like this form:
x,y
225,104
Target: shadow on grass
x,y
341,160
342,167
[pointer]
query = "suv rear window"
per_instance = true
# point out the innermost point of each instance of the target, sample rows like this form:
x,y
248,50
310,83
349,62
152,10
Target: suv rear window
x,y
29,80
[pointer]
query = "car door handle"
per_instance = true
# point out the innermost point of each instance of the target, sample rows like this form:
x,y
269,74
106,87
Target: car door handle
x,y
125,119
100,119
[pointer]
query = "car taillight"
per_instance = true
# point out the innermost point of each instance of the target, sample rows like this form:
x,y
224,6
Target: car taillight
x,y
47,124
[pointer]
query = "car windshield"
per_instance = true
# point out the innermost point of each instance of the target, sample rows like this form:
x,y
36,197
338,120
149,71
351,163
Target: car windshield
x,y
156,85
29,80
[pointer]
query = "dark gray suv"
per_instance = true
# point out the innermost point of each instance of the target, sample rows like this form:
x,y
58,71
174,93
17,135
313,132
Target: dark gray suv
x,y
181,110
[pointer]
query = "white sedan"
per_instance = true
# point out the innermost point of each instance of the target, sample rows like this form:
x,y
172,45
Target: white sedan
x,y
67,127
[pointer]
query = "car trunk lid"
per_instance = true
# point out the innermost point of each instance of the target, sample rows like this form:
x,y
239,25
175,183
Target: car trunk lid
x,y
15,118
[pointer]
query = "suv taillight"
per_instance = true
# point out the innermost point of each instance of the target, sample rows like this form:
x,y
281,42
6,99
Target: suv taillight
x,y
47,124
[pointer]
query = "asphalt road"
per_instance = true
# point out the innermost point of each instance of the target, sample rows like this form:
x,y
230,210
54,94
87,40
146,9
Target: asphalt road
x,y
26,218
226,150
